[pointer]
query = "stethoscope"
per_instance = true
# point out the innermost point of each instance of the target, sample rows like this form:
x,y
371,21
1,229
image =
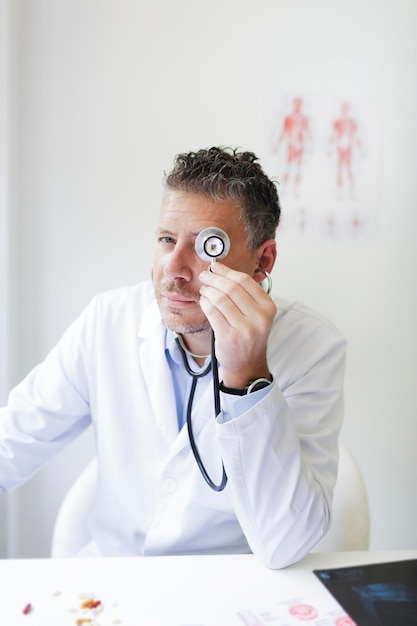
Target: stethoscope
x,y
211,244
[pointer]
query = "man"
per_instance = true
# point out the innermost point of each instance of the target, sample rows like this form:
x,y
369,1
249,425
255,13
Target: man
x,y
138,364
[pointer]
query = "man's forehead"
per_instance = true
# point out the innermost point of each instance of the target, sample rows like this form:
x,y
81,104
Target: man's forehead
x,y
189,198
197,209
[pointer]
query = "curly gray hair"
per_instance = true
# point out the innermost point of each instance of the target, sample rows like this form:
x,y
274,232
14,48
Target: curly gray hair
x,y
230,174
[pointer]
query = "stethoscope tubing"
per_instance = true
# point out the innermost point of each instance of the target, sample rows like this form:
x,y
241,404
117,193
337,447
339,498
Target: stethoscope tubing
x,y
211,244
217,408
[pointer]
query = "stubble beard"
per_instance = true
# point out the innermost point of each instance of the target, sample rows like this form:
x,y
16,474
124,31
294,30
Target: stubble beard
x,y
173,318
174,321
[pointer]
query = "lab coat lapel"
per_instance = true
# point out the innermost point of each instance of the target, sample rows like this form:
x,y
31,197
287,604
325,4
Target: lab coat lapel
x,y
203,412
157,374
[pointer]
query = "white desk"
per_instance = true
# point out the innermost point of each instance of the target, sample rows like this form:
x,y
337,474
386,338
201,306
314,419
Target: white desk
x,y
173,591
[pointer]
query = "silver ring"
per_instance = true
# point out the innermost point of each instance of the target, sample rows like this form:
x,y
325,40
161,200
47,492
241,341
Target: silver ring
x,y
268,287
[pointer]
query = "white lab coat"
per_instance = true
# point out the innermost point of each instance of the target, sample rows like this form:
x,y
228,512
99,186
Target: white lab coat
x,y
280,457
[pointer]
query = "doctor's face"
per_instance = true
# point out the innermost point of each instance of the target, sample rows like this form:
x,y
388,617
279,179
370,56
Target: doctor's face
x,y
176,266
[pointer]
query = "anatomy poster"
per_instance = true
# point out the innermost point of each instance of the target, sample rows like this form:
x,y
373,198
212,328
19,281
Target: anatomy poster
x,y
324,152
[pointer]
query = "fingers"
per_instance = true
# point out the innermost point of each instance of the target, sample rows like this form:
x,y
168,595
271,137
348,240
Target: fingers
x,y
241,315
234,296
224,286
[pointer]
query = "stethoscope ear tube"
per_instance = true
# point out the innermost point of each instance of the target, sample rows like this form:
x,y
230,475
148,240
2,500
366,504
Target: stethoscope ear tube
x,y
217,408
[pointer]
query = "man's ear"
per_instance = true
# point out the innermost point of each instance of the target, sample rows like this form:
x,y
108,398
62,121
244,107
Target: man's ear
x,y
267,254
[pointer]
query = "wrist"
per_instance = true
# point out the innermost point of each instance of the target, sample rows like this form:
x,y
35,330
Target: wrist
x,y
254,385
240,377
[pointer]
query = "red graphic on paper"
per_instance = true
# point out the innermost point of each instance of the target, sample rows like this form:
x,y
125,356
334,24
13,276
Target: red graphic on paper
x,y
304,611
345,137
294,134
345,620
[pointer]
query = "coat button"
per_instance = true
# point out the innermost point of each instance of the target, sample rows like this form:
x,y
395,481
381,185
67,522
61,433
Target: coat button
x,y
169,485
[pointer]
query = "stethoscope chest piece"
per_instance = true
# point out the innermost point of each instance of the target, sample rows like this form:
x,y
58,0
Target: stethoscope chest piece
x,y
212,243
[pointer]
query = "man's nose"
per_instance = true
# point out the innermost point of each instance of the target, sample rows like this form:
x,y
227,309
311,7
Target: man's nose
x,y
179,265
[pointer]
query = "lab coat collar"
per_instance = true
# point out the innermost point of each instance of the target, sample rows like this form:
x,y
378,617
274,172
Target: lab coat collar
x,y
154,365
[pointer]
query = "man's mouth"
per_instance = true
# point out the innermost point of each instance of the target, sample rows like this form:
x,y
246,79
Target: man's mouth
x,y
178,301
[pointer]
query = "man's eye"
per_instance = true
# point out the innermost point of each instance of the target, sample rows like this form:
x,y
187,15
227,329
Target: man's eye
x,y
166,239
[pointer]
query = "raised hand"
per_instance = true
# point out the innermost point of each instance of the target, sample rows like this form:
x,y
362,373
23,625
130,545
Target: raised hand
x,y
241,315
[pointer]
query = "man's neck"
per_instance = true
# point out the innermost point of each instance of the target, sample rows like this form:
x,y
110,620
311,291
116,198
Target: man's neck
x,y
197,345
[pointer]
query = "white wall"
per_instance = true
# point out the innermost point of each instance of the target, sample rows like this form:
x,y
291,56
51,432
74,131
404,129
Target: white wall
x,y
4,266
103,94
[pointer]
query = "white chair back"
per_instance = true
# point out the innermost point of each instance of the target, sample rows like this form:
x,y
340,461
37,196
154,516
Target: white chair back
x,y
71,531
350,527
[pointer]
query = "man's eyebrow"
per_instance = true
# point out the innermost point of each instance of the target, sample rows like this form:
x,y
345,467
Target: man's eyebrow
x,y
167,231
161,229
